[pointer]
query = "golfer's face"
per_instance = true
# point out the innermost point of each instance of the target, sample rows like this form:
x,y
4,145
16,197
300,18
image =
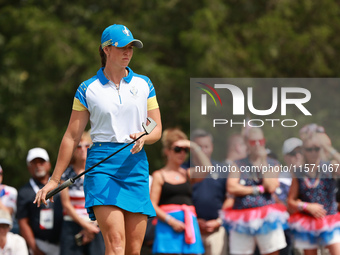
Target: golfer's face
x,y
121,56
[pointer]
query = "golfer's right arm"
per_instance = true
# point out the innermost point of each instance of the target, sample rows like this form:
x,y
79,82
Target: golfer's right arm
x,y
76,127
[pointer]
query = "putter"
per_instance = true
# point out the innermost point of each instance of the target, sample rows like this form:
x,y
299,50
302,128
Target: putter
x,y
148,129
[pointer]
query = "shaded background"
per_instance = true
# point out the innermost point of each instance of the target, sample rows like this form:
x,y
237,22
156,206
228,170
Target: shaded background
x,y
48,48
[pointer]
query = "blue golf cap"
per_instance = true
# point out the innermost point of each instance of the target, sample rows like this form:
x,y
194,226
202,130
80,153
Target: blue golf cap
x,y
119,36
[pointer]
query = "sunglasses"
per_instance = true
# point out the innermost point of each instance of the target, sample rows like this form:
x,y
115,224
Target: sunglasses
x,y
80,146
255,142
178,149
316,149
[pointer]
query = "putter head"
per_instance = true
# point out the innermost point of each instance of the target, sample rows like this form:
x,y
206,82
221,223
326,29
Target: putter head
x,y
148,128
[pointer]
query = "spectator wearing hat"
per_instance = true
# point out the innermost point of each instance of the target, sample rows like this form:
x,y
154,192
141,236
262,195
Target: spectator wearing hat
x,y
10,243
292,156
292,151
40,226
8,198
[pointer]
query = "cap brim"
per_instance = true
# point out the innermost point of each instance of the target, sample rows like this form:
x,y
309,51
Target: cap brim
x,y
29,159
135,42
138,44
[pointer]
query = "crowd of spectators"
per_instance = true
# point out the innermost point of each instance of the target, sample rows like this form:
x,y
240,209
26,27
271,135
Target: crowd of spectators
x,y
214,213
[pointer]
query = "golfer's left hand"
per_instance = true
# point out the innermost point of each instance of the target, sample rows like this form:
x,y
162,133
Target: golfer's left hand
x,y
138,144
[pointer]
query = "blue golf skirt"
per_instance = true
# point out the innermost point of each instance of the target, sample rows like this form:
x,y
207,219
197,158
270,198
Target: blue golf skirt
x,y
122,180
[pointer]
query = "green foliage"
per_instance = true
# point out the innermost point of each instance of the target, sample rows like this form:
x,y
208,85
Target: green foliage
x,y
47,49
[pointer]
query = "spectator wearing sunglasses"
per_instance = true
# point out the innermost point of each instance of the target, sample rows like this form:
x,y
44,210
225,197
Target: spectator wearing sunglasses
x,y
315,221
255,219
177,230
327,152
80,235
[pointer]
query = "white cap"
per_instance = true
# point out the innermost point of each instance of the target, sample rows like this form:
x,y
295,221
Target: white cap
x,y
37,153
5,218
290,144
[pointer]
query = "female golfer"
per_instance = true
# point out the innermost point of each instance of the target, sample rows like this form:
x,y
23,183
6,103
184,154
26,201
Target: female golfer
x,y
116,101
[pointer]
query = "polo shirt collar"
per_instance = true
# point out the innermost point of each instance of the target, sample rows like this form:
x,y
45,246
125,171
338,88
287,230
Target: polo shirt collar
x,y
103,80
128,78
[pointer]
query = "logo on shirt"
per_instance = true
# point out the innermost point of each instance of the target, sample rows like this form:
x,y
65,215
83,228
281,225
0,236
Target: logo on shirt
x,y
134,92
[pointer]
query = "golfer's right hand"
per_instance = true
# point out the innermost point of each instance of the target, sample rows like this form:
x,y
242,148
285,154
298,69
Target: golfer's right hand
x,y
41,194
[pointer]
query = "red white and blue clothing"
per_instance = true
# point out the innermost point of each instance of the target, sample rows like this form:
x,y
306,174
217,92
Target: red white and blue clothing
x,y
8,197
306,229
70,228
76,193
255,214
255,217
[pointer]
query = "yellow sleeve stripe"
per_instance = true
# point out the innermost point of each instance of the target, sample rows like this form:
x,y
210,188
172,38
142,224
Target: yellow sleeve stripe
x,y
152,103
77,106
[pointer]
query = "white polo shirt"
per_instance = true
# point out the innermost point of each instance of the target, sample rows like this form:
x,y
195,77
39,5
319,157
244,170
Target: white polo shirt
x,y
116,113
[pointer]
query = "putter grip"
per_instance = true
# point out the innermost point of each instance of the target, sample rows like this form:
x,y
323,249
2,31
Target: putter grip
x,y
60,188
